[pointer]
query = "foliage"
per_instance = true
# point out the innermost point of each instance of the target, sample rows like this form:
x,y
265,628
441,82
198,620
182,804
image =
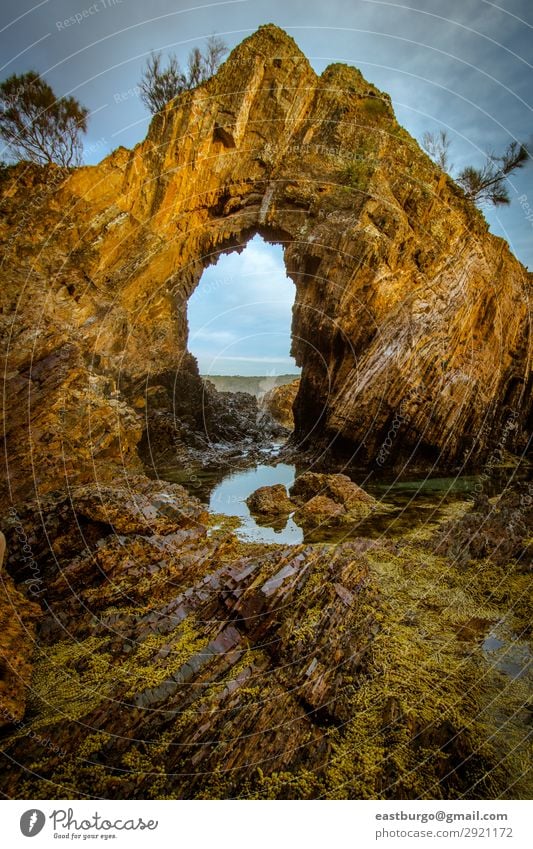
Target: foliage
x,y
437,147
356,174
39,126
375,106
485,184
161,84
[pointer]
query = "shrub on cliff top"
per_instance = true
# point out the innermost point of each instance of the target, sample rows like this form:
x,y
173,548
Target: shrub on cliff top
x,y
160,84
39,126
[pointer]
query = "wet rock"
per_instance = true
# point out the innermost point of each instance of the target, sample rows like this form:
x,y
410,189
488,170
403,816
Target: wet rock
x,y
195,424
41,537
270,501
499,529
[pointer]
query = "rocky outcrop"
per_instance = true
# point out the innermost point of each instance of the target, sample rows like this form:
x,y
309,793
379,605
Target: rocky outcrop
x,y
317,500
338,488
498,529
405,305
270,501
279,401
330,501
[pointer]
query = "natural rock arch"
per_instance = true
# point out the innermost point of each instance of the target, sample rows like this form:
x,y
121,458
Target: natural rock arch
x,y
406,306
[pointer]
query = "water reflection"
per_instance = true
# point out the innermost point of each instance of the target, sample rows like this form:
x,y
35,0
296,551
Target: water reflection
x,y
229,498
410,503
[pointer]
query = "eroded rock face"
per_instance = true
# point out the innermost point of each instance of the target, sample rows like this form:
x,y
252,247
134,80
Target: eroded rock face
x,y
405,304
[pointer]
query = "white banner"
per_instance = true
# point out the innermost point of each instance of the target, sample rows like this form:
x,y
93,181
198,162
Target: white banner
x,y
264,825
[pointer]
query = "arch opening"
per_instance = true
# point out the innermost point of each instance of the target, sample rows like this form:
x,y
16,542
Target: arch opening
x,y
240,315
240,321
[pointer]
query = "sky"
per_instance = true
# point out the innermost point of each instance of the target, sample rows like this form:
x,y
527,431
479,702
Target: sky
x,y
462,65
240,314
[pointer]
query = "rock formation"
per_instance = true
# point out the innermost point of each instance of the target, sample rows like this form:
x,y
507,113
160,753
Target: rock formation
x,y
279,402
270,501
329,500
171,660
405,304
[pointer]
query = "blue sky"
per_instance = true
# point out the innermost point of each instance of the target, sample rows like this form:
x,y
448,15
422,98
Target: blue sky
x,y
240,314
463,65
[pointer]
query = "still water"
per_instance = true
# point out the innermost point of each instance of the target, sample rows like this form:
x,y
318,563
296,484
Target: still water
x,y
409,503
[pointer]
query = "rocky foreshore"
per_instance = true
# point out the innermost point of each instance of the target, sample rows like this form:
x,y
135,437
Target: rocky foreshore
x,y
171,660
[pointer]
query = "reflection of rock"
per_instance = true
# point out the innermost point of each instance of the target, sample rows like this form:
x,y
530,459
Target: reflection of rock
x,y
270,501
338,488
279,401
275,523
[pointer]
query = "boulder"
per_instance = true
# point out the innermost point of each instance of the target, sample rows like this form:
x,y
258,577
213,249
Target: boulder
x,y
320,510
270,501
336,488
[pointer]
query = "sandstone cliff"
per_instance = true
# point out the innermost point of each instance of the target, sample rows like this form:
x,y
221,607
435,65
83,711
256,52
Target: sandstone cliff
x,y
403,299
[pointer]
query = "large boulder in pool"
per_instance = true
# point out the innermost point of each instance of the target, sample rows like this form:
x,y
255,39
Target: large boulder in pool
x,y
270,501
321,511
336,488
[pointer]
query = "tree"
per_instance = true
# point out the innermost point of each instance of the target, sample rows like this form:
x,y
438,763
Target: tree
x,y
39,126
437,147
215,50
487,184
160,84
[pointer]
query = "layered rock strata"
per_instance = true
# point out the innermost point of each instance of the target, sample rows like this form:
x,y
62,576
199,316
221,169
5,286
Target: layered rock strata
x,y
405,304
